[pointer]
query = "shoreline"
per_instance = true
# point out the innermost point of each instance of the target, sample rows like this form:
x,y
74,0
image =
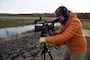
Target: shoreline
x,y
86,32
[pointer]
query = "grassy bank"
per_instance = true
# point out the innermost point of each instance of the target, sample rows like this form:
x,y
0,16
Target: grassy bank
x,y
86,25
8,21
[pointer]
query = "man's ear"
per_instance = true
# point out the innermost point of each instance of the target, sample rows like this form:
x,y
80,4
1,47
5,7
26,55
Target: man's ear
x,y
62,18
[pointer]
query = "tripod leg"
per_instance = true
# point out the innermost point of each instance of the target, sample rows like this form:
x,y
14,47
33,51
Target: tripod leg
x,y
43,55
50,55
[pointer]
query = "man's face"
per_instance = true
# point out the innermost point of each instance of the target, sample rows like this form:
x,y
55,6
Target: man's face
x,y
57,13
59,16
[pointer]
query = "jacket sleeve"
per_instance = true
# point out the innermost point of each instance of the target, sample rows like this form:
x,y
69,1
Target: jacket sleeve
x,y
66,35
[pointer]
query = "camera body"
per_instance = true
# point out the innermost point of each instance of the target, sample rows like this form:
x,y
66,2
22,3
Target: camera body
x,y
44,26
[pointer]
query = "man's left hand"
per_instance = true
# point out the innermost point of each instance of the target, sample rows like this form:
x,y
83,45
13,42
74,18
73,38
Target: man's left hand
x,y
42,40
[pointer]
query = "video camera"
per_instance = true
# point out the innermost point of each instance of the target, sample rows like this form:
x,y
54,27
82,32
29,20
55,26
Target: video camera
x,y
44,26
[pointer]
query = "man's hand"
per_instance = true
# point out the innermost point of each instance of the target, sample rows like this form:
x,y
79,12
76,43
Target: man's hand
x,y
42,40
55,18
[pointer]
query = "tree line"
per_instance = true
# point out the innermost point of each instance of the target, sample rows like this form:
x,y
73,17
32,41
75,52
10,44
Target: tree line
x,y
79,15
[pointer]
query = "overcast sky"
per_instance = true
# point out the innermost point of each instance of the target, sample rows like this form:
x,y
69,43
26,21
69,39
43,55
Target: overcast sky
x,y
42,6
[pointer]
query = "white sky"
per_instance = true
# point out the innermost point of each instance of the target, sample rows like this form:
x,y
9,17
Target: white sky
x,y
42,6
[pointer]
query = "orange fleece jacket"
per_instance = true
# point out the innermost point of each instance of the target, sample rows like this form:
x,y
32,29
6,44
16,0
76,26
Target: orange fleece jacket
x,y
71,33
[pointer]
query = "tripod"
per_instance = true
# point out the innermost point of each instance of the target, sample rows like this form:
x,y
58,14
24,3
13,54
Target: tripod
x,y
47,29
45,50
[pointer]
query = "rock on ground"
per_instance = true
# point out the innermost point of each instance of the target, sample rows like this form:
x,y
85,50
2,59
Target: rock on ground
x,y
26,48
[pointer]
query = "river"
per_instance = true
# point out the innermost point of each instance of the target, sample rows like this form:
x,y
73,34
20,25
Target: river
x,y
10,31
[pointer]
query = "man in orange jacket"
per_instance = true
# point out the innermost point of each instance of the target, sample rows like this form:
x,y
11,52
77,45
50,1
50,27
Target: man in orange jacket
x,y
71,33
